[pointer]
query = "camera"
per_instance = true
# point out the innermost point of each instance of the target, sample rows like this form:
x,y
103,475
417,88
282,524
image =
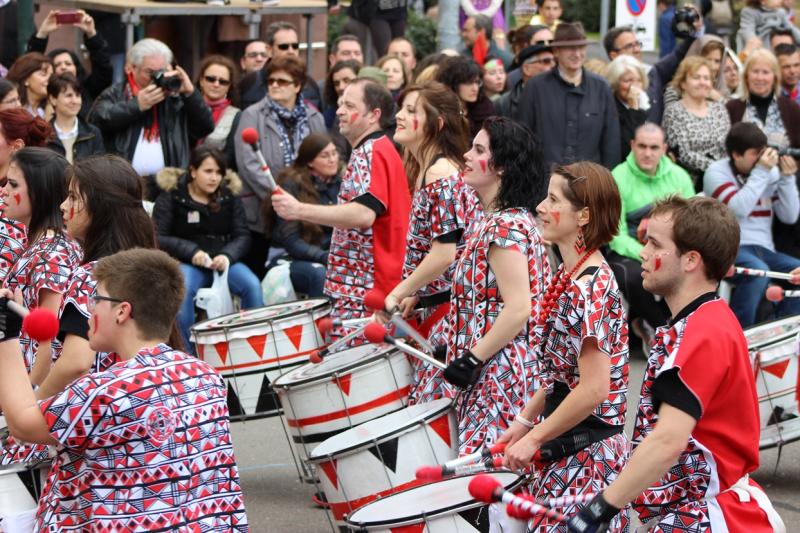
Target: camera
x,y
787,150
168,83
683,22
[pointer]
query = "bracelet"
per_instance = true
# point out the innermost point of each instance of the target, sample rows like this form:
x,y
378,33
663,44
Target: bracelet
x,y
524,421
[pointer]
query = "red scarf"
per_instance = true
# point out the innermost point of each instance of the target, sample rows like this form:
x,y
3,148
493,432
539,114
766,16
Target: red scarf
x,y
218,107
151,134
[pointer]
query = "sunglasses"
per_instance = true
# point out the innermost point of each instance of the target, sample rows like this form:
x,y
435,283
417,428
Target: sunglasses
x,y
280,82
543,60
215,79
286,46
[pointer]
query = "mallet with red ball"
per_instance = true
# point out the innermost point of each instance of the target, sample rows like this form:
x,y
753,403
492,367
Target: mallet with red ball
x,y
756,272
325,326
776,294
375,300
250,136
485,455
487,489
376,333
39,324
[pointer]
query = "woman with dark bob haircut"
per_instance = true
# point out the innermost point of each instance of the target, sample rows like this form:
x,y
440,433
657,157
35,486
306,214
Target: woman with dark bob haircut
x,y
498,282
463,76
582,349
31,72
103,212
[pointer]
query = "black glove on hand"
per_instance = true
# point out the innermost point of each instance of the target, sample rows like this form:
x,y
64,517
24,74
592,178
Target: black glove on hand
x,y
463,371
593,518
10,322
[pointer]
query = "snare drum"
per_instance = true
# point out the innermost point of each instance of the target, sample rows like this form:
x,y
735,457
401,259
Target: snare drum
x,y
251,348
774,348
344,390
381,456
441,507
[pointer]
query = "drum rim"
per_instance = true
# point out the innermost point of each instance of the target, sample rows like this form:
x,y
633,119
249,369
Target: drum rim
x,y
407,427
365,362
408,520
199,327
775,340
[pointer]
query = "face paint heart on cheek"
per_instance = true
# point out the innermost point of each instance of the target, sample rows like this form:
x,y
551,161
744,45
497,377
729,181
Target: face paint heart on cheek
x,y
556,216
482,163
353,117
416,123
657,263
17,198
71,213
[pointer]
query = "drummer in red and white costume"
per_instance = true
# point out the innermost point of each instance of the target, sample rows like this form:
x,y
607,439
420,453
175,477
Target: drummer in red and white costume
x,y
433,130
371,219
697,429
582,353
498,283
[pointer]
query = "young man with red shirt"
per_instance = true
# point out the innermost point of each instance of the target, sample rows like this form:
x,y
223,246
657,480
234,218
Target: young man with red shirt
x,y
697,429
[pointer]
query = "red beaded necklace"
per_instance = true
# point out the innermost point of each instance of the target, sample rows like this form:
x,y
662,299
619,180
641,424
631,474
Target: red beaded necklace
x,y
557,286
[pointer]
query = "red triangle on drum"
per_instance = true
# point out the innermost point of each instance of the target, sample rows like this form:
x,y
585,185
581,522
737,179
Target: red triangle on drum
x,y
222,351
330,471
257,344
442,428
414,528
343,382
778,369
295,334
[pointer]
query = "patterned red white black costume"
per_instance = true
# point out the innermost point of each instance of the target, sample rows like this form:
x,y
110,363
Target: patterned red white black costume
x,y
46,264
145,446
588,308
363,259
705,345
13,239
507,379
441,209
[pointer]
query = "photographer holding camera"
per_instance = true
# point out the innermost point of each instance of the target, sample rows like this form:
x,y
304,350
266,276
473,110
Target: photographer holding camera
x,y
156,97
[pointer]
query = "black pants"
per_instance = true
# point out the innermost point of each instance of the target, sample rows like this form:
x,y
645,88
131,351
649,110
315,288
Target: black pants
x,y
256,257
383,31
641,303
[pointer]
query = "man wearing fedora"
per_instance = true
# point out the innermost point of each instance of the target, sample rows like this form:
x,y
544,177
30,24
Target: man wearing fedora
x,y
535,59
570,109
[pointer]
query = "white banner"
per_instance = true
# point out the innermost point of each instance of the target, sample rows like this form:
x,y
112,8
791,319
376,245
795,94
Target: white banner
x,y
642,16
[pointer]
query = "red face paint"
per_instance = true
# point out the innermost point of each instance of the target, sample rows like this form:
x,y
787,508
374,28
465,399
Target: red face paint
x,y
555,215
353,117
482,163
96,324
657,262
17,198
416,123
71,213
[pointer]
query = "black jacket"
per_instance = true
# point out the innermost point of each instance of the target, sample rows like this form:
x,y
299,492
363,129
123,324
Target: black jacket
x,y
181,121
224,232
660,75
102,72
89,142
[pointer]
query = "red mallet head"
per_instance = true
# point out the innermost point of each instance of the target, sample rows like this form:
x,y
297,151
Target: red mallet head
x,y
40,324
429,473
498,448
315,357
774,293
325,325
250,135
374,300
485,488
730,272
515,512
375,333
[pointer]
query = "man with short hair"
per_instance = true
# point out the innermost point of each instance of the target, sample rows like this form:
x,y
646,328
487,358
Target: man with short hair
x,y
622,40
696,438
480,26
370,222
282,40
570,109
549,14
646,176
143,444
404,49
789,60
146,123
533,60
346,46
780,36
756,184
254,57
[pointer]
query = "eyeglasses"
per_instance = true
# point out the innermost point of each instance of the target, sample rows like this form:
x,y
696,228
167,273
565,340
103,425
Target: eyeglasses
x,y
94,300
215,79
285,46
630,46
280,82
542,60
252,55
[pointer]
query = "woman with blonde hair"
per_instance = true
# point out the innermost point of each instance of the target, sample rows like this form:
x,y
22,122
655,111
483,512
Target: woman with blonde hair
x,y
628,79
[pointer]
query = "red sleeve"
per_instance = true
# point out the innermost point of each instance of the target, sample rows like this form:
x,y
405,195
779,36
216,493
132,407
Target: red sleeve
x,y
379,175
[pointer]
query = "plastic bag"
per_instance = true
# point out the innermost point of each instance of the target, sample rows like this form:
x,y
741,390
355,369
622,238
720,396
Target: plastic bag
x,y
276,287
216,300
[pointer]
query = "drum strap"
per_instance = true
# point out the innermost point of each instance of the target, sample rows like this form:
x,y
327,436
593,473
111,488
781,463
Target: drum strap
x,y
439,313
745,491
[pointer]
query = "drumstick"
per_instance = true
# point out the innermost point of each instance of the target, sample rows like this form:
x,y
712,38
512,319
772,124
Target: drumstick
x,y
250,136
318,355
487,489
459,467
776,294
375,300
755,272
325,325
40,324
376,333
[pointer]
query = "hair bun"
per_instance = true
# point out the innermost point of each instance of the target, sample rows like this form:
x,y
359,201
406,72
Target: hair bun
x,y
39,132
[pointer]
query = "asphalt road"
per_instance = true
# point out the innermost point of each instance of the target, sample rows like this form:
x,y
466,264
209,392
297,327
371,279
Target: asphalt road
x,y
278,503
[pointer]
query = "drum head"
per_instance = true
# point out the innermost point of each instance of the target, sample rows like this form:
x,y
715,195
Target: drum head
x,y
435,499
771,332
262,314
336,362
380,429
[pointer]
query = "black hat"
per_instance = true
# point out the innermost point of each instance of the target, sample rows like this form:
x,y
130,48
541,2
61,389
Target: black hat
x,y
530,51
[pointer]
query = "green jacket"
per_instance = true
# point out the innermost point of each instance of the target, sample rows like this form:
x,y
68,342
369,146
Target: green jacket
x,y
638,190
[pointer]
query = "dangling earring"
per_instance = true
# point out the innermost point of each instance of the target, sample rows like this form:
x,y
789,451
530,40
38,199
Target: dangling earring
x,y
580,243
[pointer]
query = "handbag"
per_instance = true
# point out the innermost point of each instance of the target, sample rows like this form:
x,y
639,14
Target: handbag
x,y
216,300
276,287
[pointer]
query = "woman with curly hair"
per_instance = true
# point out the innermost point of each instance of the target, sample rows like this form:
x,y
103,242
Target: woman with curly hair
x,y
497,286
463,76
443,208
